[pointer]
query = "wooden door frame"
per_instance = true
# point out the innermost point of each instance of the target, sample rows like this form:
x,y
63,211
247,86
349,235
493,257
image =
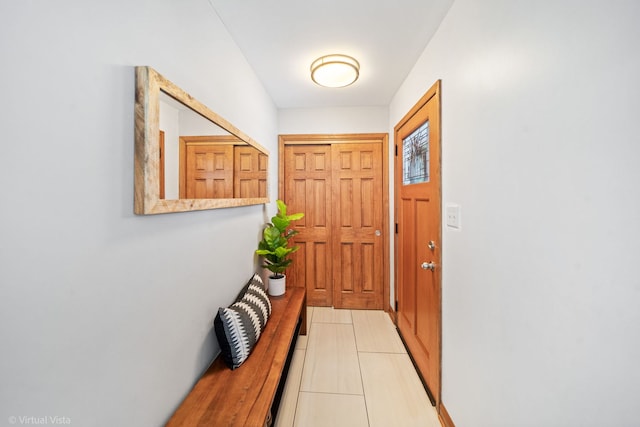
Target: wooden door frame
x,y
329,139
434,91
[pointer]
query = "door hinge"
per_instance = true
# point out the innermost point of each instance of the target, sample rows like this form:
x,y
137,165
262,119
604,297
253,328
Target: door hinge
x,y
396,306
396,228
396,150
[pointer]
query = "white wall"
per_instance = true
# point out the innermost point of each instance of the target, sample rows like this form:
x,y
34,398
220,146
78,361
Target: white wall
x,y
169,123
540,148
333,120
106,316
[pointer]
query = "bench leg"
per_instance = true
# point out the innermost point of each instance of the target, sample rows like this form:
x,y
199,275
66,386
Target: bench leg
x,y
303,327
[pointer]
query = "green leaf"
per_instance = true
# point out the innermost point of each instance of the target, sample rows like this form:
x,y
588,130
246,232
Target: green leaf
x,y
282,252
271,234
280,223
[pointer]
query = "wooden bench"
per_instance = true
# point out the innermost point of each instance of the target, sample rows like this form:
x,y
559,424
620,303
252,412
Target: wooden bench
x,y
245,396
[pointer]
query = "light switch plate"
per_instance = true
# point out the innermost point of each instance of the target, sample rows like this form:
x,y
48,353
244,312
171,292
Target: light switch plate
x,y
453,215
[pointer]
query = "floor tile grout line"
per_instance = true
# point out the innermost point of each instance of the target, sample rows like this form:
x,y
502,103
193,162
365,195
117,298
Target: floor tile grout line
x,y
304,361
330,393
381,352
364,392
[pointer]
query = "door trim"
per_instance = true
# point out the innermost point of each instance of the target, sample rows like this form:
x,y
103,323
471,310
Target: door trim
x,y
324,139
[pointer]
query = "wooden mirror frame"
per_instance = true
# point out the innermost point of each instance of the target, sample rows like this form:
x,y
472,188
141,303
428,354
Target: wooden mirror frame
x,y
147,199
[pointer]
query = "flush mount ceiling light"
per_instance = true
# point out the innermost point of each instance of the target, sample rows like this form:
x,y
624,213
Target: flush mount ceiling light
x,y
335,70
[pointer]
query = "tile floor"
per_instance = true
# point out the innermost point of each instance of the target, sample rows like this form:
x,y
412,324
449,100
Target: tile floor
x,y
352,370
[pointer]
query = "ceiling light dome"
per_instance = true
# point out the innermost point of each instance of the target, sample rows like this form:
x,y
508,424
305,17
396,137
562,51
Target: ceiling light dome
x,y
335,70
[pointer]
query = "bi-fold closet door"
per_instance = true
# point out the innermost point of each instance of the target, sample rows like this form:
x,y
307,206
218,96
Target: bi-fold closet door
x,y
340,188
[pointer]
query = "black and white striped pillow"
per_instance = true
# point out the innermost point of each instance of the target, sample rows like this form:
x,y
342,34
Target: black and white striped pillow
x,y
255,293
239,326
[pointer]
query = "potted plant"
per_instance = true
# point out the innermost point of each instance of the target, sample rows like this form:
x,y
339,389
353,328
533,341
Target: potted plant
x,y
274,247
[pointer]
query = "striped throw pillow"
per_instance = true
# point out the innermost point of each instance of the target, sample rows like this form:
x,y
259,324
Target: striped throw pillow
x,y
239,326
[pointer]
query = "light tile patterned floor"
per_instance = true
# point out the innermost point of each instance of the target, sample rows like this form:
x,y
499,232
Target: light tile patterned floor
x,y
352,370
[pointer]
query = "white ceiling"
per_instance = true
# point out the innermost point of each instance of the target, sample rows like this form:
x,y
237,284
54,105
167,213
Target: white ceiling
x,y
280,39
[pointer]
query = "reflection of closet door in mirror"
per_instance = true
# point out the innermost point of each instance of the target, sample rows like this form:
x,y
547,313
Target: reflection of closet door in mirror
x,y
249,172
208,171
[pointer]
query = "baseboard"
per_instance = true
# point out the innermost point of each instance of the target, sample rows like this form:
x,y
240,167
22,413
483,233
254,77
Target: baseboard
x,y
445,419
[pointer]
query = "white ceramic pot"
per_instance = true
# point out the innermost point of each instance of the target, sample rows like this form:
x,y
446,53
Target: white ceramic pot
x,y
277,286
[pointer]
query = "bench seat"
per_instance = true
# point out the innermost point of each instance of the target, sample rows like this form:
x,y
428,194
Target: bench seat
x,y
244,396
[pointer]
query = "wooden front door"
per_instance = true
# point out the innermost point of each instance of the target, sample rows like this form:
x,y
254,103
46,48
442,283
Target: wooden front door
x,y
339,182
418,239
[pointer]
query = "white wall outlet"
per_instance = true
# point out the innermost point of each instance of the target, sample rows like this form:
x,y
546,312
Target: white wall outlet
x,y
453,215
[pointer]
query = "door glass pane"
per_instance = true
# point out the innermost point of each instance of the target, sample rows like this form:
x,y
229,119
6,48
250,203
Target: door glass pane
x,y
415,156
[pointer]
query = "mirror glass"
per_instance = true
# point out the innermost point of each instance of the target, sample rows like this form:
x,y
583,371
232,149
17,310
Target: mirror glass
x,y
187,156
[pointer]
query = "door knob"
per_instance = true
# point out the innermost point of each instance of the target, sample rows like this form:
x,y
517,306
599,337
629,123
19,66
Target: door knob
x,y
428,266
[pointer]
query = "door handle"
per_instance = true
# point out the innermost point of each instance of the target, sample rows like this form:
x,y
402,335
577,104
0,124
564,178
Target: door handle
x,y
428,266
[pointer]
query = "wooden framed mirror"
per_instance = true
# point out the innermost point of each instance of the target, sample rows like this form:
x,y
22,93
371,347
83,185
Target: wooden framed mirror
x,y
188,157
